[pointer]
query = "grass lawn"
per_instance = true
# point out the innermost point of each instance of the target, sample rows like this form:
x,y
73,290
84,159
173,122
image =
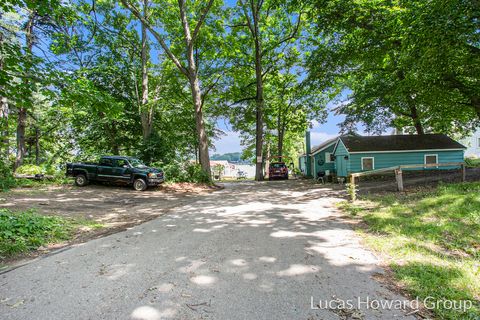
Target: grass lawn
x,y
430,240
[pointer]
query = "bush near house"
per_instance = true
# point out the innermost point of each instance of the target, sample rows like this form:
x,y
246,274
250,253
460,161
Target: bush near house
x,y
430,240
472,162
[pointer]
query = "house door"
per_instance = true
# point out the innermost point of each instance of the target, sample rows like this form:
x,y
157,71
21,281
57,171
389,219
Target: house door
x,y
341,164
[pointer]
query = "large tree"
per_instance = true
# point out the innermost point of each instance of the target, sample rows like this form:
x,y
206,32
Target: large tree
x,y
195,14
261,32
407,63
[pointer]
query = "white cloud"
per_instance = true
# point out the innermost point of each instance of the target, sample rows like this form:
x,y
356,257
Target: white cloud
x,y
317,138
228,143
315,124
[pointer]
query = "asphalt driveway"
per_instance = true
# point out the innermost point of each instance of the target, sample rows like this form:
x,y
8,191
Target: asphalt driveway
x,y
268,250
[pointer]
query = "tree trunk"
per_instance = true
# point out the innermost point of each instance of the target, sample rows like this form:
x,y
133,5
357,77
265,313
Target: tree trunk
x,y
259,100
146,112
190,72
3,115
112,132
22,111
416,119
21,147
267,161
476,105
196,96
281,136
203,155
4,126
192,76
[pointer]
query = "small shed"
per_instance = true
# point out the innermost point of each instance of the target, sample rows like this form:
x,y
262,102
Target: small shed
x,y
354,153
322,158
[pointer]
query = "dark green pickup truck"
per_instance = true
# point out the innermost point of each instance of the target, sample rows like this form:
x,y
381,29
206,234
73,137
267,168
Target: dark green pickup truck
x,y
116,169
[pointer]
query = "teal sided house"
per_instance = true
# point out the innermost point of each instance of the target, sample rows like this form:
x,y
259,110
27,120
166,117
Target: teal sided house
x,y
359,153
322,158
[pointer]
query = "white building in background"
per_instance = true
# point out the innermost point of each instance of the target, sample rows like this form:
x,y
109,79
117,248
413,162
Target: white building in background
x,y
473,145
230,170
249,169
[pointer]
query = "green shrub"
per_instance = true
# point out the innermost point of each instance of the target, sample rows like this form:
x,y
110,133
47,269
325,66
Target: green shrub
x,y
196,174
183,172
7,180
352,191
472,162
24,231
297,171
30,169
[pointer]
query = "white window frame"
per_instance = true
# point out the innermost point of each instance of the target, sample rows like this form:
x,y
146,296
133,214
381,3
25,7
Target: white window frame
x,y
430,155
373,162
328,157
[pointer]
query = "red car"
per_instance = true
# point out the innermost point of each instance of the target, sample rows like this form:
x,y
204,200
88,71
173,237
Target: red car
x,y
278,170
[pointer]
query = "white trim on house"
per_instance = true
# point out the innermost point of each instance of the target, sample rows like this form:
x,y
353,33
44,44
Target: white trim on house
x,y
328,158
430,155
373,162
398,151
324,147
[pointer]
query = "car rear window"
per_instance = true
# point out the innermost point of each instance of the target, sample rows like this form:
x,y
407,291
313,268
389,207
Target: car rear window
x,y
277,165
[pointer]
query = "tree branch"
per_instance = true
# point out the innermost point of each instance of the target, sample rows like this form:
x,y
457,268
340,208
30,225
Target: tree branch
x,y
238,25
209,88
202,19
289,37
242,100
186,27
245,12
157,36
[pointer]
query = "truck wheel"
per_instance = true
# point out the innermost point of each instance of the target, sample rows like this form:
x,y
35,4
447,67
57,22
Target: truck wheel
x,y
81,180
139,185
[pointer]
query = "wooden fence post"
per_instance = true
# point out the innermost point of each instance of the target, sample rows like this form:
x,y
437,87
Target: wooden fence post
x,y
353,188
464,173
399,178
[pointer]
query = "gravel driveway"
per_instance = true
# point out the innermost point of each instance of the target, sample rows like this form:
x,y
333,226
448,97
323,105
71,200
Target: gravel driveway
x,y
250,251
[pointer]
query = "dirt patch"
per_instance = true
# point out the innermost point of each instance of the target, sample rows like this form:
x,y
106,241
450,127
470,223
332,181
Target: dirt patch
x,y
107,209
189,187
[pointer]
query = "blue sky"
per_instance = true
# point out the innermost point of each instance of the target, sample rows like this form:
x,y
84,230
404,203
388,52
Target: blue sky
x,y
319,133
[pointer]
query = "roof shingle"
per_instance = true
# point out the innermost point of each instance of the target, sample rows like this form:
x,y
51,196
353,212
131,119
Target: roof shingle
x,y
399,142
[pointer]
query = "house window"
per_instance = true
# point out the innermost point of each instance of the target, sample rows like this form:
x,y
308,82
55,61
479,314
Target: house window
x,y
328,157
431,158
368,163
478,142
